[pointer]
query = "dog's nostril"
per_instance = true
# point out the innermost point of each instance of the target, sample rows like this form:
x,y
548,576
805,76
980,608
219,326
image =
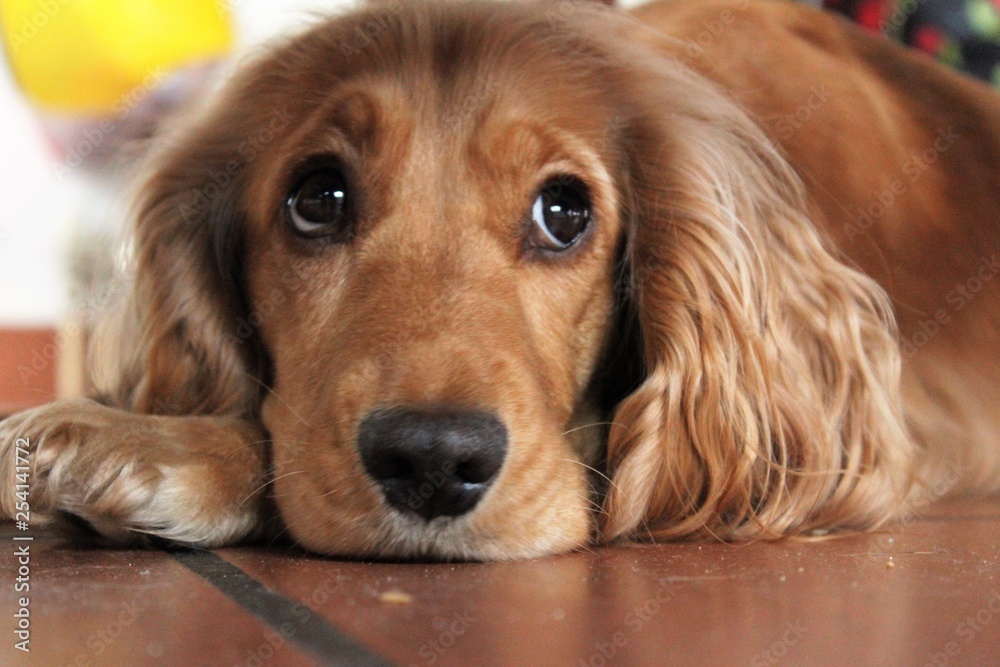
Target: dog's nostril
x,y
475,472
394,467
433,463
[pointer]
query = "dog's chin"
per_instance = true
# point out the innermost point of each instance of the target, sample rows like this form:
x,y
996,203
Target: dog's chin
x,y
399,536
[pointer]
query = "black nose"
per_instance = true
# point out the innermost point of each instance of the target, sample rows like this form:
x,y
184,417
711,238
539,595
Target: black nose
x,y
433,463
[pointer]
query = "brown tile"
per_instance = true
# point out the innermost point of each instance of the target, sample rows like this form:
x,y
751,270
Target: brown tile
x,y
836,601
28,368
106,607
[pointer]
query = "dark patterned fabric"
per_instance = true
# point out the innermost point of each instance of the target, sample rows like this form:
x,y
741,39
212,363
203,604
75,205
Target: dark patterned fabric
x,y
964,34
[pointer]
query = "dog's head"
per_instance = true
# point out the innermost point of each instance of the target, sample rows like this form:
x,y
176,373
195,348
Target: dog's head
x,y
510,281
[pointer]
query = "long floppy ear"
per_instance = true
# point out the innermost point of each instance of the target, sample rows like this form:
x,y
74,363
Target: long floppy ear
x,y
175,344
184,341
771,401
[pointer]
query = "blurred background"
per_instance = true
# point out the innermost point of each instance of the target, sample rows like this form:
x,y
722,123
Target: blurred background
x,y
83,82
52,169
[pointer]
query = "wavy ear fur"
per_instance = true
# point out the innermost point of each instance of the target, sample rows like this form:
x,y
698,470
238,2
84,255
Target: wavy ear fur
x,y
183,341
171,347
771,398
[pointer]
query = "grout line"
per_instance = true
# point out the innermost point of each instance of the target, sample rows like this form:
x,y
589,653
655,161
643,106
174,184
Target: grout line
x,y
293,620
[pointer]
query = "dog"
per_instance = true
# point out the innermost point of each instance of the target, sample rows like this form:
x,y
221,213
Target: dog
x,y
472,280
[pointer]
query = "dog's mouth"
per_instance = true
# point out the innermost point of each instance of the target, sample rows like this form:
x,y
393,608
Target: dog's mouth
x,y
406,538
438,485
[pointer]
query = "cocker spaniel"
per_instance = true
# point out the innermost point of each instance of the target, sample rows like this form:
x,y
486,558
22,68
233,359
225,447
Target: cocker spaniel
x,y
475,280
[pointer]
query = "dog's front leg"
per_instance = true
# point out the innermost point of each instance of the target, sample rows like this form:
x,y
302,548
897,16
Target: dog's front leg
x,y
192,480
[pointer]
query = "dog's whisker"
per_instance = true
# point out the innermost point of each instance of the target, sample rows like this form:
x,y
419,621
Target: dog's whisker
x,y
592,469
246,445
580,428
268,483
593,504
275,394
281,533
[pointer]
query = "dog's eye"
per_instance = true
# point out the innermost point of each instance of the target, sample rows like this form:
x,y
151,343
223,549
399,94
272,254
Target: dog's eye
x,y
560,214
317,207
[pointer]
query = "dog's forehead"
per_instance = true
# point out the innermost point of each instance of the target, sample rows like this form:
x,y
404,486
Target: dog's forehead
x,y
445,106
453,58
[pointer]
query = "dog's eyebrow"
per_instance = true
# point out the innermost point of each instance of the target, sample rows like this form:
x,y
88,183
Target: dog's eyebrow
x,y
350,118
357,114
510,145
518,143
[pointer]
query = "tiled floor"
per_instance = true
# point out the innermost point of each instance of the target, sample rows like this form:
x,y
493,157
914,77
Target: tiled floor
x,y
927,593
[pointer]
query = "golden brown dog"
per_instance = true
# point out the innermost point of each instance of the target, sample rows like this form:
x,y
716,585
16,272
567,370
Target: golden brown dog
x,y
495,280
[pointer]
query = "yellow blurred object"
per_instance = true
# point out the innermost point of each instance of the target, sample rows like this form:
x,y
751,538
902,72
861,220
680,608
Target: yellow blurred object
x,y
91,56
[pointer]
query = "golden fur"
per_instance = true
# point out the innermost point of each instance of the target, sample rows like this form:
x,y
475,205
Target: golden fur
x,y
738,349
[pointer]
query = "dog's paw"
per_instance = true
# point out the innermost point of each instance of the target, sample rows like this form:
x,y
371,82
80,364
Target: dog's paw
x,y
128,477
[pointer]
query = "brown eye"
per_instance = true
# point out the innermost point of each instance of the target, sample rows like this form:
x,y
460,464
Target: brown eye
x,y
560,214
317,207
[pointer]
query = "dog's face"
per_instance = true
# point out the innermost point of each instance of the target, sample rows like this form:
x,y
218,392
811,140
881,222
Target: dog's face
x,y
434,247
411,225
